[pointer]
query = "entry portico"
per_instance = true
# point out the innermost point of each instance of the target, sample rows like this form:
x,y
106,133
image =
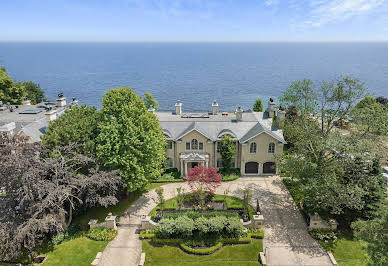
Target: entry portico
x,y
191,159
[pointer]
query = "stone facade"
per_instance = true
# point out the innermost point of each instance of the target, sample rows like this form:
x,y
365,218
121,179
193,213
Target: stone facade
x,y
193,139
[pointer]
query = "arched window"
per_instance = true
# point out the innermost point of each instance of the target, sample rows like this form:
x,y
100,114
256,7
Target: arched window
x,y
194,144
253,147
271,148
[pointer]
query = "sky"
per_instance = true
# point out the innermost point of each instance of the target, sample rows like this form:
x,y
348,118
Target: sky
x,y
194,20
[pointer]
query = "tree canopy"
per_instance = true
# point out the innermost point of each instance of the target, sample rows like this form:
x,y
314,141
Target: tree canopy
x,y
258,105
130,138
337,173
14,92
150,101
42,192
79,125
227,151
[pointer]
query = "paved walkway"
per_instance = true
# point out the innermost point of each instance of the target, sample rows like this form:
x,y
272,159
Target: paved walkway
x,y
286,240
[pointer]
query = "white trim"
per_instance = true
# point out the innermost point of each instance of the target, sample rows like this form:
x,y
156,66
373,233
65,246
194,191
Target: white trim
x,y
271,135
181,136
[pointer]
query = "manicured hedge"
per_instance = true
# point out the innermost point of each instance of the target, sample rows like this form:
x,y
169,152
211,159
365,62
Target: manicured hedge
x,y
230,178
184,226
241,240
147,234
202,251
168,241
195,215
256,233
102,234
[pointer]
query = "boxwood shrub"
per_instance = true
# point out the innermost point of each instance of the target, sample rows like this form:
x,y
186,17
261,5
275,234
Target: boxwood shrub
x,y
102,234
256,233
195,215
202,251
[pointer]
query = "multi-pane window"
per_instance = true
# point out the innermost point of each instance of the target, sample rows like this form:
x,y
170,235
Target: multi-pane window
x,y
218,146
271,148
194,145
253,147
169,145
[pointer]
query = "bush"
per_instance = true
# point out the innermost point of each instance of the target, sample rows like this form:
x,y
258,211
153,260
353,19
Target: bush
x,y
168,176
202,225
256,233
203,251
232,241
217,224
195,215
184,226
234,228
166,228
324,234
102,234
168,180
173,171
147,234
169,241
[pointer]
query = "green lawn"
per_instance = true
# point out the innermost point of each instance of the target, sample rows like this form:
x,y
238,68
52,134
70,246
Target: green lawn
x,y
100,213
346,250
228,255
78,251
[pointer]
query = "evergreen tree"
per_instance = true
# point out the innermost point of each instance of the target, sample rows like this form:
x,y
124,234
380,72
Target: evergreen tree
x,y
258,105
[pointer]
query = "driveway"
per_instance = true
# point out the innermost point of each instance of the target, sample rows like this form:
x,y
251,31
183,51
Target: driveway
x,y
286,240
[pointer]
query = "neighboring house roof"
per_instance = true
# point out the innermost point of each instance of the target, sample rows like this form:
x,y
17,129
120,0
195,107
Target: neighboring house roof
x,y
214,127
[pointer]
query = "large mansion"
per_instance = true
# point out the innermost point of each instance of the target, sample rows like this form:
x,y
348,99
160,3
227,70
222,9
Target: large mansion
x,y
193,138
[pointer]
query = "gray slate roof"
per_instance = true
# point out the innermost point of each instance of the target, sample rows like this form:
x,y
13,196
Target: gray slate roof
x,y
252,124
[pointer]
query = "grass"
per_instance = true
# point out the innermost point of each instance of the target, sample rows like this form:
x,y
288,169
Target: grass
x,y
227,255
346,250
78,251
100,213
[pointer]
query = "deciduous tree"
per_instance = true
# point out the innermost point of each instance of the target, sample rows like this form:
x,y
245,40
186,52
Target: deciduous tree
x,y
227,151
150,101
130,138
203,178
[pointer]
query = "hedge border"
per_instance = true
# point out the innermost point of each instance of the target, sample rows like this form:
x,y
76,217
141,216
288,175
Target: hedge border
x,y
203,251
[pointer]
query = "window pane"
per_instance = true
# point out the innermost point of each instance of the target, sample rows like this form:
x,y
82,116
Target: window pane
x,y
187,145
218,146
201,146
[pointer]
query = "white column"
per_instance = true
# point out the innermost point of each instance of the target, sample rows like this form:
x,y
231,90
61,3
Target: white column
x,y
182,168
207,163
186,168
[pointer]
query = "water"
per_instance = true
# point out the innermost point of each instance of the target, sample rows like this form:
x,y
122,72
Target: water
x,y
196,73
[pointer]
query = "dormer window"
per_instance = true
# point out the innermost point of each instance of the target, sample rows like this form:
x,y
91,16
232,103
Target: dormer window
x,y
271,148
253,147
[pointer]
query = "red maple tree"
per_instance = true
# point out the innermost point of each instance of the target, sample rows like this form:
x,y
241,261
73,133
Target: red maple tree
x,y
203,178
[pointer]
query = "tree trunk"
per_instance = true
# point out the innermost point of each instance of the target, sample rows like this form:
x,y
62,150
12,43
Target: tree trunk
x,y
70,216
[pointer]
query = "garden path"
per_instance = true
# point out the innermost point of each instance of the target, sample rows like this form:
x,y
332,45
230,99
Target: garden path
x,y
286,240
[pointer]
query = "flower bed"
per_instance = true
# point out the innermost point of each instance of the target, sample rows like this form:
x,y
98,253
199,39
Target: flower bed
x,y
102,234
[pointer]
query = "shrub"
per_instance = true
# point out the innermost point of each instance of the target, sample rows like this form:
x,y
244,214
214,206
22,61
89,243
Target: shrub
x,y
168,241
173,171
184,226
324,234
102,234
147,234
195,215
168,176
256,233
166,228
217,224
202,225
232,241
234,228
203,251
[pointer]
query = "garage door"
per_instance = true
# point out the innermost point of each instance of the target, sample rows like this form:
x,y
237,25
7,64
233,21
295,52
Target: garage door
x,y
252,168
269,168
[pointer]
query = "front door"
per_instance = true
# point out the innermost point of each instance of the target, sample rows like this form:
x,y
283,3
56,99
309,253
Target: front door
x,y
194,164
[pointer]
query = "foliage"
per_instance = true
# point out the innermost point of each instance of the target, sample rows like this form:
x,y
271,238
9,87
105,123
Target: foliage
x,y
247,196
195,215
149,101
77,125
14,92
46,191
256,233
366,102
33,92
180,197
241,255
227,151
147,234
130,138
102,234
258,105
202,251
174,172
203,178
184,226
382,100
374,232
324,234
336,173
160,199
